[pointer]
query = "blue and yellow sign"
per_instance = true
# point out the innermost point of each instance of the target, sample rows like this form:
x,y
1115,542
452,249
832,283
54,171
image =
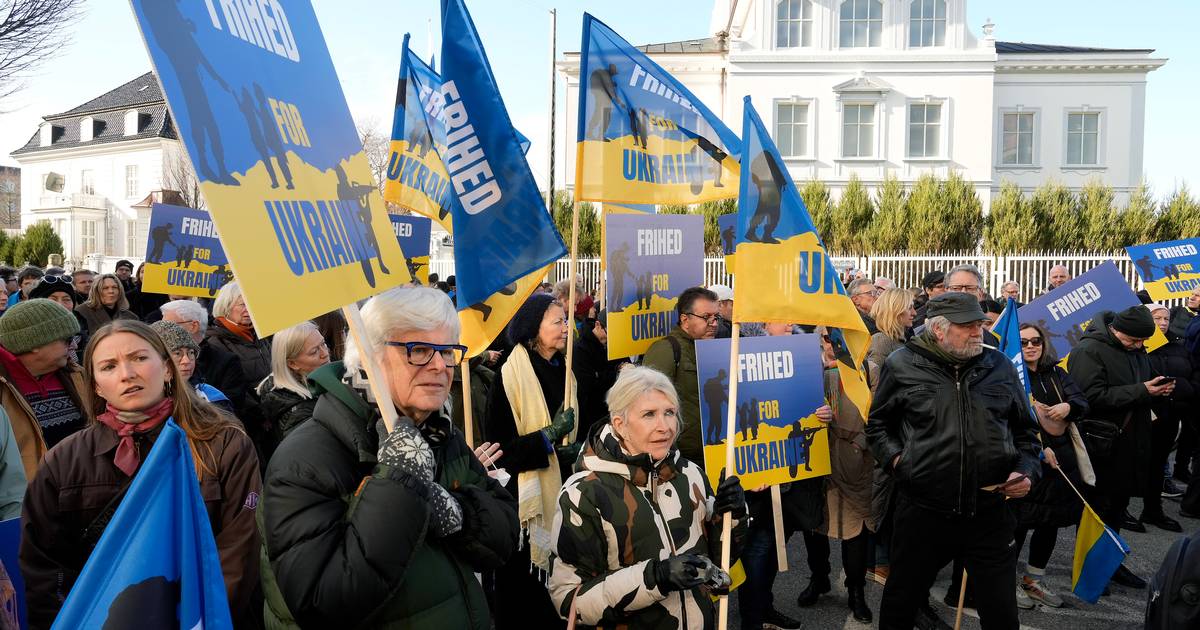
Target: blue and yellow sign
x,y
412,232
184,254
1170,269
651,259
643,137
780,387
257,102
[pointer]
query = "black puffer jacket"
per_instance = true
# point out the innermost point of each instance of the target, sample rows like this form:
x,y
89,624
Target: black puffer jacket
x,y
956,429
1113,379
282,408
254,356
1174,360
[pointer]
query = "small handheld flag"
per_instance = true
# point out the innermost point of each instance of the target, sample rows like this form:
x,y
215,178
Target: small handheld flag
x,y
1098,553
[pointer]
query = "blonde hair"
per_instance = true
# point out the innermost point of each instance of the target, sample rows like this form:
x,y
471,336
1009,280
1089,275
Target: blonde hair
x,y
225,299
93,299
887,310
632,383
405,309
285,346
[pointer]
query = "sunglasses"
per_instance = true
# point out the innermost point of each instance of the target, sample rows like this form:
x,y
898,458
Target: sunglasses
x,y
56,280
1036,342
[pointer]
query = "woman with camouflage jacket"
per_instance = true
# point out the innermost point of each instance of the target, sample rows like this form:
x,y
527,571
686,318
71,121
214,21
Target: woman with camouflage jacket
x,y
637,527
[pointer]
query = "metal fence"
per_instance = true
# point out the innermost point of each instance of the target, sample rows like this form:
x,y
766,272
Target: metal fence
x,y
1029,270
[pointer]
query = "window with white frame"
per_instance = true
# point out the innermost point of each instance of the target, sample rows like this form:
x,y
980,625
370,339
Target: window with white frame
x,y
131,240
1018,139
793,23
131,180
927,23
924,130
791,128
1083,138
858,130
87,236
87,182
861,24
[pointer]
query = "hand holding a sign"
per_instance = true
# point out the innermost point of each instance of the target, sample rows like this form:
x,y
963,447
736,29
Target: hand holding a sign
x,y
824,413
563,422
1160,386
731,499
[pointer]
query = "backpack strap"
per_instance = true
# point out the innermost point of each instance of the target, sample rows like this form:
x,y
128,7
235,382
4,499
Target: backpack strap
x,y
676,351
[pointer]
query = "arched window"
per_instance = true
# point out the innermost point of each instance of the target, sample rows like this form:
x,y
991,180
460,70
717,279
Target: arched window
x,y
861,24
927,23
793,23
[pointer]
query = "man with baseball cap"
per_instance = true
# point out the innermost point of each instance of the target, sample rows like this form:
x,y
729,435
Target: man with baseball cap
x,y
724,310
1112,368
951,423
39,386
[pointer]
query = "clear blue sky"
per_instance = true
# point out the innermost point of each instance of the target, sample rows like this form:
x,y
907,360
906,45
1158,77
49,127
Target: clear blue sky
x,y
365,35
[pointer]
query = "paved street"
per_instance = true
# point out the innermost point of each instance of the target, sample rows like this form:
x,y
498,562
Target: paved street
x,y
1124,609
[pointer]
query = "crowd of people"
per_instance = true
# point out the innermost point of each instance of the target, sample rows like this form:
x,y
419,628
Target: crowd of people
x,y
581,498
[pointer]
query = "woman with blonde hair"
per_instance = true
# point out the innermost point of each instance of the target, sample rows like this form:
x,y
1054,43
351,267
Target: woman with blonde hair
x,y
285,399
133,387
893,313
106,302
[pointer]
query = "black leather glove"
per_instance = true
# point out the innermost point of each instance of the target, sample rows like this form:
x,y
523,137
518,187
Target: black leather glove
x,y
730,498
563,422
568,454
680,573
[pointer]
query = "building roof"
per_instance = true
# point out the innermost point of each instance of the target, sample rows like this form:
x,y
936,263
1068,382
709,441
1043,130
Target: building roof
x,y
687,46
108,114
1022,48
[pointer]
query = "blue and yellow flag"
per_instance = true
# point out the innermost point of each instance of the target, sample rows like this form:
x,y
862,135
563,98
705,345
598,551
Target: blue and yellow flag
x,y
502,231
642,136
156,565
1098,553
417,179
795,282
1007,332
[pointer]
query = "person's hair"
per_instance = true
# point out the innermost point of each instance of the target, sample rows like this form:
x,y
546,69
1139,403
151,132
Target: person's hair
x,y
857,284
634,381
54,271
333,328
1058,266
76,273
972,269
93,298
1049,357
1012,282
188,311
687,300
285,345
7,272
938,323
562,289
401,310
29,271
887,310
225,299
991,306
200,421
434,277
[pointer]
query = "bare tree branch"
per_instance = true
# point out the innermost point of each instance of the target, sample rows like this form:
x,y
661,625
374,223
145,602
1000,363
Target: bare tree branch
x,y
378,147
179,176
31,32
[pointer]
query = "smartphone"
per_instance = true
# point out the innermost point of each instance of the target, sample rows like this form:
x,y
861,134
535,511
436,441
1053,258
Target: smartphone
x,y
1163,380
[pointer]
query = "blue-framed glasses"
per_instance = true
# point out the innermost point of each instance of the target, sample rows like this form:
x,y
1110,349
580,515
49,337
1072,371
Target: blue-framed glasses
x,y
420,353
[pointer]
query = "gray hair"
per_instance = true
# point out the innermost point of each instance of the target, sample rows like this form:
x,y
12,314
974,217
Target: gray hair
x,y
861,282
972,269
285,345
632,383
1013,283
401,310
225,299
188,311
937,324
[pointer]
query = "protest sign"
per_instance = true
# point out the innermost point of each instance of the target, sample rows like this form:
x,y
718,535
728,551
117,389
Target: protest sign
x,y
1168,270
727,226
257,103
183,253
413,234
1065,312
651,259
780,386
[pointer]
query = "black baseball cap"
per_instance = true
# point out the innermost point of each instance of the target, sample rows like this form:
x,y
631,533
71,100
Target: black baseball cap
x,y
959,308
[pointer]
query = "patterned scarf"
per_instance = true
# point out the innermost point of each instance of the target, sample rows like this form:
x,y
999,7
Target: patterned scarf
x,y
130,423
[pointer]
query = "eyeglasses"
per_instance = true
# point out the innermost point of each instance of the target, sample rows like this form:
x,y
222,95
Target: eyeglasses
x,y
1036,342
711,319
873,293
180,353
56,280
421,353
963,288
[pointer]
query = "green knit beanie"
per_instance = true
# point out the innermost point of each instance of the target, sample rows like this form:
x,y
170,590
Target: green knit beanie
x,y
31,324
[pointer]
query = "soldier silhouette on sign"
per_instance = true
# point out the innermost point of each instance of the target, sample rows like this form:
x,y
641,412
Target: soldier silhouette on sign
x,y
358,195
486,309
730,239
768,178
1145,267
618,266
716,395
160,236
802,451
602,89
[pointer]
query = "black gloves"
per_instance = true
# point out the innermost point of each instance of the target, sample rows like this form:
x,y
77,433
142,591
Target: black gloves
x,y
561,426
730,498
681,573
568,454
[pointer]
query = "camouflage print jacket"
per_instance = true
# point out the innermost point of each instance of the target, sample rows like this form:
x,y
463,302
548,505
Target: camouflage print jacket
x,y
615,518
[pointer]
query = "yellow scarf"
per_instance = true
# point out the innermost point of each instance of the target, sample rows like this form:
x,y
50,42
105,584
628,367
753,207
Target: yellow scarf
x,y
538,489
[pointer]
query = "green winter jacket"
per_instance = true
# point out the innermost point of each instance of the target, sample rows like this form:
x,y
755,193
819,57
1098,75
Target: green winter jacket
x,y
345,538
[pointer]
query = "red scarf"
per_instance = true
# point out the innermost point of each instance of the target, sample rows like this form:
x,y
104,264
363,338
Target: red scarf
x,y
245,332
129,423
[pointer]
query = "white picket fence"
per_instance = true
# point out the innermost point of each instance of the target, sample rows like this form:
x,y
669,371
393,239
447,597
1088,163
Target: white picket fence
x,y
1030,270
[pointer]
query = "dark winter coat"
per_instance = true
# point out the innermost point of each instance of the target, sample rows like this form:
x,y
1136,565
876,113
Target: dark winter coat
x,y
957,429
283,408
222,370
96,317
530,451
347,538
1113,379
1174,360
254,356
1051,501
595,375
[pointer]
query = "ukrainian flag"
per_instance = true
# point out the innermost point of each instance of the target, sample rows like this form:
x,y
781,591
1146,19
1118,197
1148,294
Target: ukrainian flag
x,y
1007,332
1098,553
792,278
642,136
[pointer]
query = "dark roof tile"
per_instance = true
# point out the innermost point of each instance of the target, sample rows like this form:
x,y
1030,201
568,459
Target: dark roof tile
x,y
111,128
1024,48
140,91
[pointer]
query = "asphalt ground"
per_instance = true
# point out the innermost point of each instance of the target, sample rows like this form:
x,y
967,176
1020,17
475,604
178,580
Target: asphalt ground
x,y
1125,608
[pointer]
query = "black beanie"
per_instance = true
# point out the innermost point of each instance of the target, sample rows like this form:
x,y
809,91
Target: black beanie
x,y
525,324
1135,321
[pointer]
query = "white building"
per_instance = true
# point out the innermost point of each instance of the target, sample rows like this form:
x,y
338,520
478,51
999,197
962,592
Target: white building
x,y
91,171
872,87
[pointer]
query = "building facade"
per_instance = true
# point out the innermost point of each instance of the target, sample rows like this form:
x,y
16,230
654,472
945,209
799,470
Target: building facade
x,y
88,171
872,88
